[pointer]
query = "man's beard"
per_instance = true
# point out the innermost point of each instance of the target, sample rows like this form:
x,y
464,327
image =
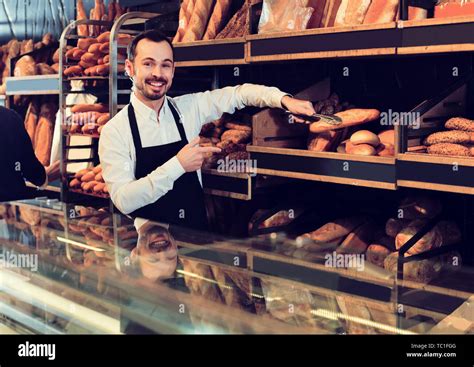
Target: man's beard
x,y
151,95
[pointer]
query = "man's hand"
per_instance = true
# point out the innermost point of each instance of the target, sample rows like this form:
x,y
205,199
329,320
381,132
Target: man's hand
x,y
299,107
52,171
192,155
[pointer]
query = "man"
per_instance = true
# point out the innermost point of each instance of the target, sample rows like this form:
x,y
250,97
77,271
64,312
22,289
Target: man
x,y
156,253
18,161
150,153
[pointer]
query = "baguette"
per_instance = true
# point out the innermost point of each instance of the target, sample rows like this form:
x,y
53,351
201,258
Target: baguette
x,y
102,120
44,134
198,22
336,229
330,13
381,11
111,11
82,29
350,117
103,70
96,107
324,142
185,14
218,19
359,240
75,183
31,121
99,187
376,254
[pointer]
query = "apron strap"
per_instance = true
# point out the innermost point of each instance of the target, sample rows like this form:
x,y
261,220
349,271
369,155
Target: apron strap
x,y
134,127
177,121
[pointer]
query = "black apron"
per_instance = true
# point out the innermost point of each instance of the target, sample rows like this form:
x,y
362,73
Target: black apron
x,y
184,204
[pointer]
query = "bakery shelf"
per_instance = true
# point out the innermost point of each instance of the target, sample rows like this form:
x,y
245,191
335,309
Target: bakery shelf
x,y
436,35
95,195
209,53
348,41
436,172
93,136
32,85
431,172
377,172
233,185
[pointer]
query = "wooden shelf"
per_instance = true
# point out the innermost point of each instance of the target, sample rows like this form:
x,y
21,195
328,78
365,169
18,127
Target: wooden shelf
x,y
226,184
437,35
377,172
214,52
32,85
432,172
362,40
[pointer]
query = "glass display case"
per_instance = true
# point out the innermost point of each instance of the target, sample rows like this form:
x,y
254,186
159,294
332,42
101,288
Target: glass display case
x,y
74,269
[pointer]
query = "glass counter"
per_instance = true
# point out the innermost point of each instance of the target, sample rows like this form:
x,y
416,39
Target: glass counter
x,y
79,270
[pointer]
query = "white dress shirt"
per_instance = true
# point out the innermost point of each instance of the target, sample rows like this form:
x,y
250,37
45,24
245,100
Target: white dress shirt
x,y
117,151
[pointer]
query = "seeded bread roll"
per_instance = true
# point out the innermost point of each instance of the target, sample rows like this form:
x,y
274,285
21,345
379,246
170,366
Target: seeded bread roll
x,y
449,149
454,136
460,123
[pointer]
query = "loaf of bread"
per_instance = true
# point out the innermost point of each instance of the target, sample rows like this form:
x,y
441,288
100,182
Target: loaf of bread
x,y
360,149
376,254
185,14
336,229
44,69
358,240
218,19
450,232
430,240
330,13
385,150
394,226
72,71
422,271
387,137
420,207
282,218
199,19
415,13
460,123
44,133
238,25
25,66
82,30
350,117
31,121
365,137
381,11
96,107
453,136
449,149
236,136
324,142
352,12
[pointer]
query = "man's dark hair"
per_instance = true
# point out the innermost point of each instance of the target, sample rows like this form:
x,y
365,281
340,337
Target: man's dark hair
x,y
152,35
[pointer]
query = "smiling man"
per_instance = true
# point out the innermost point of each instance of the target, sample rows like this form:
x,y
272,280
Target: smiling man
x,y
149,151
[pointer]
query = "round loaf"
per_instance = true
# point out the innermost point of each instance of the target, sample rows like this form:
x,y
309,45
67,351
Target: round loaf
x,y
365,137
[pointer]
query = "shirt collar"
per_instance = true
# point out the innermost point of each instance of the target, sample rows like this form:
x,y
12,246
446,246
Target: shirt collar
x,y
144,111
